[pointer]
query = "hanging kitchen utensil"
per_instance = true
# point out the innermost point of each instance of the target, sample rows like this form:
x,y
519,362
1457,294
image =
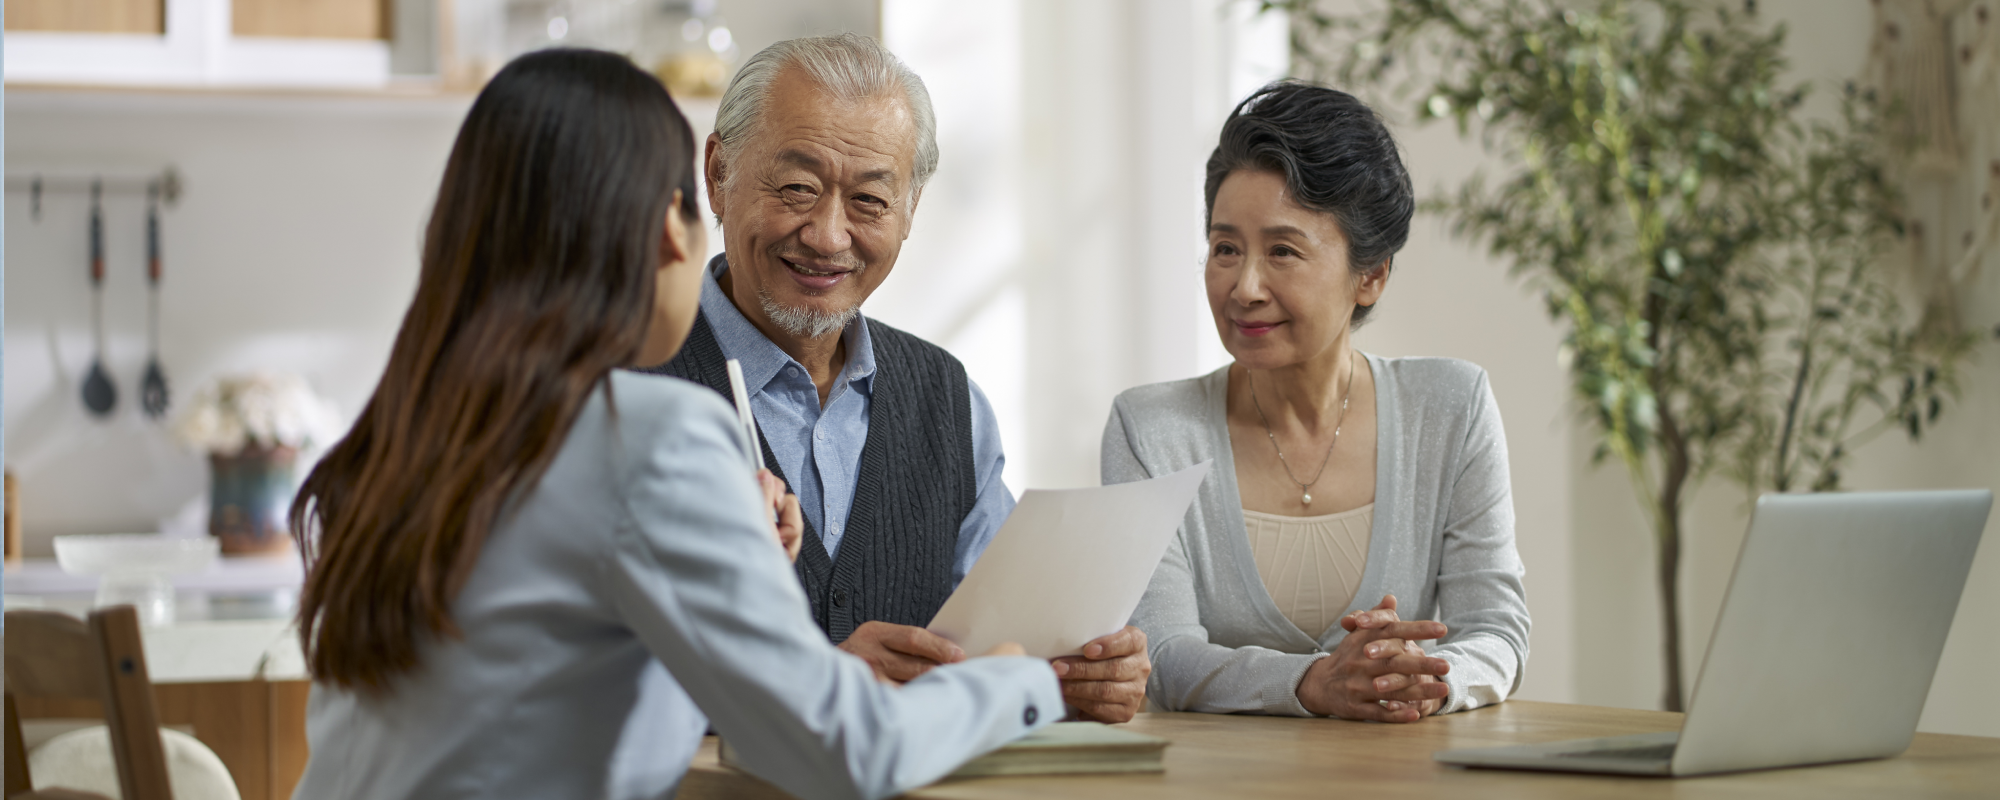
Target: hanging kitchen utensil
x,y
153,387
99,395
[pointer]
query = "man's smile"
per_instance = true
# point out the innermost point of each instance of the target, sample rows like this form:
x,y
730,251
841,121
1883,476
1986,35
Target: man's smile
x,y
818,276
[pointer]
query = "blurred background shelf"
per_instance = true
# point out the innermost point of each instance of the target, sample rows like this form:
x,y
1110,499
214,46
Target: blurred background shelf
x,y
269,43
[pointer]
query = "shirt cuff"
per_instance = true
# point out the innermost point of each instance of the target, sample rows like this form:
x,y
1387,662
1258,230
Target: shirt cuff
x,y
1281,695
1042,704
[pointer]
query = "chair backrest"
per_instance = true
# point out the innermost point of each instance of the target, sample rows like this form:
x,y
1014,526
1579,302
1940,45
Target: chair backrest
x,y
60,657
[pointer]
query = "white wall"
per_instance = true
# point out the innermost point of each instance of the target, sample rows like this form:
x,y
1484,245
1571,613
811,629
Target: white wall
x,y
293,248
1057,251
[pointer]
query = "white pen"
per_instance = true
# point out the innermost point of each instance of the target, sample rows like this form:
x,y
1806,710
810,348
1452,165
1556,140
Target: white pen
x,y
744,419
747,423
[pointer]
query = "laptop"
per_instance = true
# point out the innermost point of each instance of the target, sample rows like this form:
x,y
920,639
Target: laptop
x,y
1826,646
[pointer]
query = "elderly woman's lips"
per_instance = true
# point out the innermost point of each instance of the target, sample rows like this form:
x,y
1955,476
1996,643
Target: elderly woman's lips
x,y
1254,328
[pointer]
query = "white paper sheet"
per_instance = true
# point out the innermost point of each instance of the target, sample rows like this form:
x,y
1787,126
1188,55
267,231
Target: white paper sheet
x,y
1068,566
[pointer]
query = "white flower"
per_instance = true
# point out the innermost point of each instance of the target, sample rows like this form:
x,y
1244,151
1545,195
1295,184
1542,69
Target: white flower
x,y
263,408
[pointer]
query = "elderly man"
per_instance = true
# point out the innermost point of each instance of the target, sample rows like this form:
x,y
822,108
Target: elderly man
x,y
820,152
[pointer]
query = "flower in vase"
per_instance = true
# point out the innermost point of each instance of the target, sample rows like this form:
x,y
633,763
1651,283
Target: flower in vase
x,y
260,410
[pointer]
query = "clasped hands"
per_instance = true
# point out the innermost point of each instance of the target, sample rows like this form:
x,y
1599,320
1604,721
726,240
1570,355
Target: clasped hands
x,y
1378,672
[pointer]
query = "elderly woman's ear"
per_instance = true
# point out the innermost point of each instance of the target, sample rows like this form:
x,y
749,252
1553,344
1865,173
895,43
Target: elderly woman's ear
x,y
1369,288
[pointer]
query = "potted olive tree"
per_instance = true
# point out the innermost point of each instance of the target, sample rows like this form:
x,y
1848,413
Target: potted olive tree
x,y
1712,253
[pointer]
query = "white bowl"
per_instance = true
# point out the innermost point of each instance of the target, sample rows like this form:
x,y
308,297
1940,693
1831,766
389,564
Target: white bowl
x,y
135,554
132,568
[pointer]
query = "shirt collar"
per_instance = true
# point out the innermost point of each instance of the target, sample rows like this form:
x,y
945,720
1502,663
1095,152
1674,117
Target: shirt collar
x,y
762,359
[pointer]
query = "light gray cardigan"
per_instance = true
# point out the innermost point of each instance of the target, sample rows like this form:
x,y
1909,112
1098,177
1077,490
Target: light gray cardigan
x,y
1442,542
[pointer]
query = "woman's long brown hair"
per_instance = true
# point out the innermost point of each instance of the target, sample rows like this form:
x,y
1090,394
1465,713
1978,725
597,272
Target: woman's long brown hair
x,y
537,280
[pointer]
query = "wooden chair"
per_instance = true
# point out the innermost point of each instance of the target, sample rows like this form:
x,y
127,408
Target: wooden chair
x,y
57,656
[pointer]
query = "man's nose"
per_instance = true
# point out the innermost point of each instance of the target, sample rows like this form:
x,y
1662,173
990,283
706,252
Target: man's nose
x,y
826,228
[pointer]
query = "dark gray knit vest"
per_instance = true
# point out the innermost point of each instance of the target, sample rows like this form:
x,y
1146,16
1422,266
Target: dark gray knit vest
x,y
915,487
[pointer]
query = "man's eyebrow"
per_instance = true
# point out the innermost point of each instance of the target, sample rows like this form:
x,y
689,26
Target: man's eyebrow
x,y
799,158
805,160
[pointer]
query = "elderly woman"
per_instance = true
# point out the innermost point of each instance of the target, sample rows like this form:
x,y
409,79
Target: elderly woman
x,y
1340,477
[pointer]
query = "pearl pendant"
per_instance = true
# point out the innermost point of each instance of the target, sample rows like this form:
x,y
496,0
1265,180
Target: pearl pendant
x,y
1308,499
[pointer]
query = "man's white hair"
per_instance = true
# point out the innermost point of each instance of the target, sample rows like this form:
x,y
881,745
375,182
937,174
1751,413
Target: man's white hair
x,y
848,66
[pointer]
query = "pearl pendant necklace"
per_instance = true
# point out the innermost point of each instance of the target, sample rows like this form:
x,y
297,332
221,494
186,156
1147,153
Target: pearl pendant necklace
x,y
1305,487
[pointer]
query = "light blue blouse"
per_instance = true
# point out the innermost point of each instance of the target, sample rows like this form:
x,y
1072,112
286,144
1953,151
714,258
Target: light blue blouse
x,y
633,597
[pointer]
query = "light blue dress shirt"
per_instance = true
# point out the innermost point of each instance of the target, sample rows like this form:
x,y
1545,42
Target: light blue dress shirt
x,y
819,447
633,597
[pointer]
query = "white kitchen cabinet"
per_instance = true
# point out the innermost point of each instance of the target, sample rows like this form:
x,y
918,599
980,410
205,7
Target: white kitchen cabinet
x,y
342,44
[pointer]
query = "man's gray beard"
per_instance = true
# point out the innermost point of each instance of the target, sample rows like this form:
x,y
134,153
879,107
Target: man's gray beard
x,y
805,323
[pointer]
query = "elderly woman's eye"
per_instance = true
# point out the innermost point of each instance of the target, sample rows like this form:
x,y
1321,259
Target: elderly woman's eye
x,y
1282,250
1223,249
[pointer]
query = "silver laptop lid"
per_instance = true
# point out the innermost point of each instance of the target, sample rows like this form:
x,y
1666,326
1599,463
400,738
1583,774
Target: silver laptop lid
x,y
1831,629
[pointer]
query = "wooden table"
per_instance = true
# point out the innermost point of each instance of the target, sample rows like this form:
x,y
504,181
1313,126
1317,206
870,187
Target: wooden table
x,y
1242,756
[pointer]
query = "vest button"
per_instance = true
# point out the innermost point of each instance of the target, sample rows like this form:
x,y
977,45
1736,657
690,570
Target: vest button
x,y
840,598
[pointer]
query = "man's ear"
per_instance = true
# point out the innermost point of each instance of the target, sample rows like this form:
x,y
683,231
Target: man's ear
x,y
712,167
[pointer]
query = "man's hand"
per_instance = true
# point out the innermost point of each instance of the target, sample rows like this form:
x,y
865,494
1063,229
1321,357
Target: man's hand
x,y
900,653
784,506
1108,682
1378,672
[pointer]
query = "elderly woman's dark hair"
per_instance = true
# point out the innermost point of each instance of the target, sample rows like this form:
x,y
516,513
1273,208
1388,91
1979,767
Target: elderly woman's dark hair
x,y
1337,158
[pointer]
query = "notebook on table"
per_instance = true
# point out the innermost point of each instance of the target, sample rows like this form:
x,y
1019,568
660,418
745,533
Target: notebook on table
x,y
1064,748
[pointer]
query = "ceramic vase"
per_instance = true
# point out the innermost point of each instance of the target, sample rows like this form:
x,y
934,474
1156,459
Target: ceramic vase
x,y
249,496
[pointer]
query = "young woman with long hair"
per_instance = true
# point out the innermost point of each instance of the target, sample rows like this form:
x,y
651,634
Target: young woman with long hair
x,y
534,574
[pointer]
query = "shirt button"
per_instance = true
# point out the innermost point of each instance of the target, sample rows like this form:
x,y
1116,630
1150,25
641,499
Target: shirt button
x,y
1029,716
820,435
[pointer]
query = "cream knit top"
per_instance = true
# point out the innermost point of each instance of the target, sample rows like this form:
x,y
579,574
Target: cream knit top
x,y
1311,565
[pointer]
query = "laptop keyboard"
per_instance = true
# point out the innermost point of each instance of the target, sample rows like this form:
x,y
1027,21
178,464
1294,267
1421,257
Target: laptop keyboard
x,y
1657,752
